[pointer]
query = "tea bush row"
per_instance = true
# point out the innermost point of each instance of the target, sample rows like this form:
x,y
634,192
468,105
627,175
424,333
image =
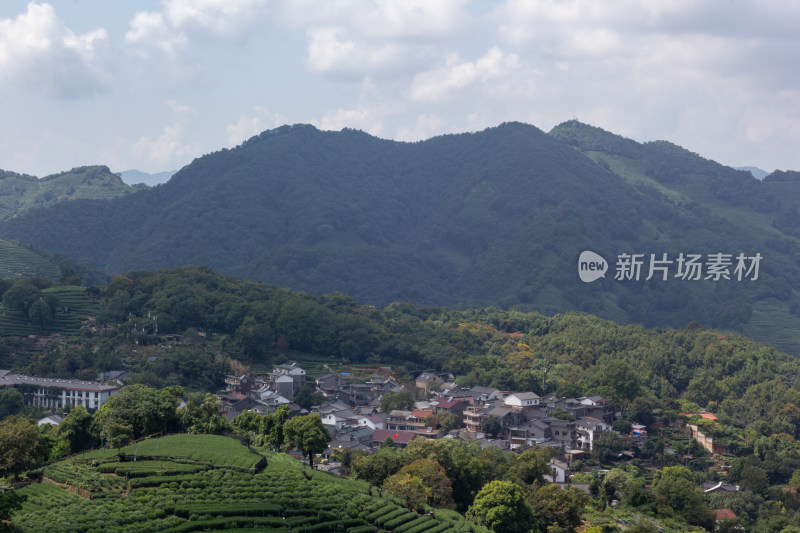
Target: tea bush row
x,y
408,516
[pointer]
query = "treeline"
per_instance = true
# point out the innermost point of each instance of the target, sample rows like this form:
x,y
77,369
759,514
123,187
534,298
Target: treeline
x,y
572,354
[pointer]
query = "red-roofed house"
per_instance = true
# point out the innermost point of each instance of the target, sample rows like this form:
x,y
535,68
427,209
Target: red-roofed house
x,y
455,406
724,514
400,438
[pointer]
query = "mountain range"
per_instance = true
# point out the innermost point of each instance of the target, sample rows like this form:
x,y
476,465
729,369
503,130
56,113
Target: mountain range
x,y
498,217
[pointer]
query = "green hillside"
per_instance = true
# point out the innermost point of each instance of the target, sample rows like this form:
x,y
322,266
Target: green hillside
x,y
209,482
497,217
19,262
73,310
21,192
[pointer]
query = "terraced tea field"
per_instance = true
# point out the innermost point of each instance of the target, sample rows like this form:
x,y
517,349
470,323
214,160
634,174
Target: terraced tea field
x,y
71,298
206,482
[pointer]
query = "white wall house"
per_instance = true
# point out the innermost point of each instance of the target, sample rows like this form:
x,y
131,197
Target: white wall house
x,y
53,393
521,400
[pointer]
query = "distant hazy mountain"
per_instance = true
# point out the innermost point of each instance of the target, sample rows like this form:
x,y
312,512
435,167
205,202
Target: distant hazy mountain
x,y
498,217
757,173
134,177
21,192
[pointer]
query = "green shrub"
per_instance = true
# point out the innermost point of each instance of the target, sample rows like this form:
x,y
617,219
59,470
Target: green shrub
x,y
400,520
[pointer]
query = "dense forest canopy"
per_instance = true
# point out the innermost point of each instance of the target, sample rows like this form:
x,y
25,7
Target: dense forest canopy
x,y
572,354
497,218
650,375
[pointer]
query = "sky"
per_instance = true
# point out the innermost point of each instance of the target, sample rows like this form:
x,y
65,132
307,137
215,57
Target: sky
x,y
151,85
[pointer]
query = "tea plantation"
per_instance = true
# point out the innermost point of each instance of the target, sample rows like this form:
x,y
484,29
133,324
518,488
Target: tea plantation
x,y
208,482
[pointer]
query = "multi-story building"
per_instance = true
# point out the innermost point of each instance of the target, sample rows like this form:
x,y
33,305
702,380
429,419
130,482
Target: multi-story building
x,y
54,393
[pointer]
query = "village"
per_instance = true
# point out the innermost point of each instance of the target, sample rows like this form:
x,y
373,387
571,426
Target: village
x,y
358,419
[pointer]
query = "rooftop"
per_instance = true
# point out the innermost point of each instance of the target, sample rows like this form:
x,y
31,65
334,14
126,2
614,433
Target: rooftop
x,y
7,379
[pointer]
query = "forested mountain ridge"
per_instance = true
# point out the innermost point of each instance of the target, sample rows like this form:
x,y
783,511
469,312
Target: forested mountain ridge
x,y
497,217
21,192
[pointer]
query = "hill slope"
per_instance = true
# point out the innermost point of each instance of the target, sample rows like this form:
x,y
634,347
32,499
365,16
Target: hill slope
x,y
207,482
21,192
497,217
18,262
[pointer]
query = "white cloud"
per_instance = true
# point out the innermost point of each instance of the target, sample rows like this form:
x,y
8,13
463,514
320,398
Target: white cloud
x,y
173,148
362,119
456,74
426,126
151,31
330,50
380,20
170,30
37,50
248,126
222,19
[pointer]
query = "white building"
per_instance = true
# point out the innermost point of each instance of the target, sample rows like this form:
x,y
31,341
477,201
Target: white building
x,y
54,393
589,430
521,400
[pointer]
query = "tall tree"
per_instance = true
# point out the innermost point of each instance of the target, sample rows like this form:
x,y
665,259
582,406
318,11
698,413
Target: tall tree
x,y
117,434
397,400
75,429
501,506
21,447
422,482
677,488
307,434
202,414
144,409
11,402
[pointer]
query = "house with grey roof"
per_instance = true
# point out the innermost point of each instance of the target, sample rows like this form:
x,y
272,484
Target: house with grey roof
x,y
55,393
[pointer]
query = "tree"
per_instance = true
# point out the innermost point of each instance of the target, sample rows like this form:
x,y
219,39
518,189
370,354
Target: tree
x,y
307,434
11,402
501,506
202,414
460,461
492,426
554,506
10,501
447,421
615,481
247,422
607,447
117,434
68,276
531,466
411,489
377,467
21,447
20,296
75,429
144,409
675,486
41,313
397,400
254,339
422,482
274,426
308,396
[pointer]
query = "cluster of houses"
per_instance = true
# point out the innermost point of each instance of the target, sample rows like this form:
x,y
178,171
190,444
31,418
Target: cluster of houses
x,y
351,411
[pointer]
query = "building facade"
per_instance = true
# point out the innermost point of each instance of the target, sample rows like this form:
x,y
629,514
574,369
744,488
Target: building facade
x,y
54,393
